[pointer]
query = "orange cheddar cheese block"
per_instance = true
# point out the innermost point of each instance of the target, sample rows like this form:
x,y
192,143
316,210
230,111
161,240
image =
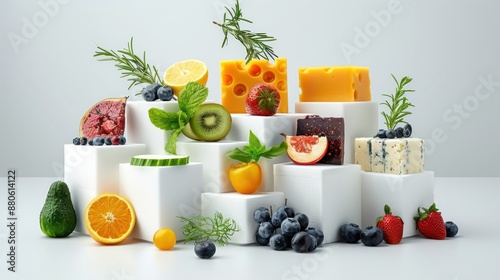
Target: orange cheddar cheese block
x,y
237,78
334,84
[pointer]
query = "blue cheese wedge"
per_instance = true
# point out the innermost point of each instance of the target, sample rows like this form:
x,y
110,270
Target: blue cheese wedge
x,y
392,156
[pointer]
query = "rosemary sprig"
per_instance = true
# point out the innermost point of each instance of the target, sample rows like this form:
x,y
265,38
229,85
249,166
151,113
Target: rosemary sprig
x,y
398,105
201,228
255,43
132,66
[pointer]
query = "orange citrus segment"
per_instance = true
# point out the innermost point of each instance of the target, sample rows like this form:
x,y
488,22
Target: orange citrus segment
x,y
183,72
109,218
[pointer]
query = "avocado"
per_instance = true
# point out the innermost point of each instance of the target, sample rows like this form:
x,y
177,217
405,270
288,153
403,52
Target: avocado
x,y
58,216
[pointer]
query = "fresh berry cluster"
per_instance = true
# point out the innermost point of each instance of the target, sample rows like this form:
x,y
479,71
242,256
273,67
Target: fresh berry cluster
x,y
99,141
284,229
157,91
399,132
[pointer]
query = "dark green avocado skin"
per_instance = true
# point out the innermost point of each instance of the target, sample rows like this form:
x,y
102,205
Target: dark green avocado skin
x,y
58,216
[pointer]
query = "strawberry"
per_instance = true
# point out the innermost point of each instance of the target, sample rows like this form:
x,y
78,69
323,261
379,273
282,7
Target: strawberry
x,y
430,223
391,226
262,100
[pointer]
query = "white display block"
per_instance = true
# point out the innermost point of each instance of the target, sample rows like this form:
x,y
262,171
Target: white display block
x,y
240,207
360,119
160,194
215,162
330,195
403,193
93,170
268,130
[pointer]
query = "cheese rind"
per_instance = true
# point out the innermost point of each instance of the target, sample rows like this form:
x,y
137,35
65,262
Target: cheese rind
x,y
237,78
334,84
392,156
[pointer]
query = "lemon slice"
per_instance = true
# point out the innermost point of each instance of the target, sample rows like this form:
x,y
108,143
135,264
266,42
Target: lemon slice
x,y
183,72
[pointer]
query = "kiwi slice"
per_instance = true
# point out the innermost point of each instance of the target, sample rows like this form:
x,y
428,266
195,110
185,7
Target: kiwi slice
x,y
211,122
188,132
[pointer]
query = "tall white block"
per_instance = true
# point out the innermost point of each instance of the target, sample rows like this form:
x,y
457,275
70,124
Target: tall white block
x,y
160,194
93,170
403,193
215,162
330,195
240,207
360,119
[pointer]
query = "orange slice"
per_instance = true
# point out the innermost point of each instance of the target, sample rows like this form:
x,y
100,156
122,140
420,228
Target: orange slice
x,y
183,72
109,218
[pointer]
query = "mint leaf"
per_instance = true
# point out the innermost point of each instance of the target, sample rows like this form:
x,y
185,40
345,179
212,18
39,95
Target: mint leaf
x,y
163,120
191,97
171,146
255,150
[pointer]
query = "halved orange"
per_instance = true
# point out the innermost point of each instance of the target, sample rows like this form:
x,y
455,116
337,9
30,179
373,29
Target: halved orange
x,y
179,74
109,218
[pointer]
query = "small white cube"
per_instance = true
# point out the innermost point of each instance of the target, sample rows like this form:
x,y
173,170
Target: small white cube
x,y
160,194
240,207
403,193
93,170
268,130
215,162
330,195
360,119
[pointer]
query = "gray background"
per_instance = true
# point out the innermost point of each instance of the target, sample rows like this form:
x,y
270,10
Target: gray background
x,y
450,48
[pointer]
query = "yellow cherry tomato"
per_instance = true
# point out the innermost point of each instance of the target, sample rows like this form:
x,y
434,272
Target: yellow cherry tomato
x,y
245,177
164,239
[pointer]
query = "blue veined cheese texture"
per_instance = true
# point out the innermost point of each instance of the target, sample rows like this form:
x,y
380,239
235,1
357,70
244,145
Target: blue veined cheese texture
x,y
392,156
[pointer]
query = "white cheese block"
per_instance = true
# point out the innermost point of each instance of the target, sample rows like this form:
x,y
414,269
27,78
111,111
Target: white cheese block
x,y
392,156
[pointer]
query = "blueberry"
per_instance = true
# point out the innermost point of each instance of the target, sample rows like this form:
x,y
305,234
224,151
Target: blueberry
x,y
122,139
149,92
107,141
390,134
290,226
277,218
314,243
205,249
98,141
303,220
288,210
301,242
316,232
91,142
76,141
165,93
261,215
372,236
399,132
407,130
350,233
381,133
451,229
278,242
83,140
266,229
261,240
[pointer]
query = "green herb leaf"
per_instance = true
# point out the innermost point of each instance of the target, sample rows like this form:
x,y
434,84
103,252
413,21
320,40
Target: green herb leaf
x,y
191,98
171,146
275,151
239,155
397,104
255,150
201,228
163,120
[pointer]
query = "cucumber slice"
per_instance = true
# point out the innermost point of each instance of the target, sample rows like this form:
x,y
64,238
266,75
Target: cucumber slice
x,y
159,160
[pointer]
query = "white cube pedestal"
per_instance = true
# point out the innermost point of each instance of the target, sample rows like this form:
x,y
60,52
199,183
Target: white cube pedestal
x,y
403,193
360,119
160,194
330,195
93,170
268,130
240,207
215,162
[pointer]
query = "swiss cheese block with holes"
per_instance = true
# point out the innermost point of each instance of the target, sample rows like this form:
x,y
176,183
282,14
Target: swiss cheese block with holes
x,y
334,84
237,78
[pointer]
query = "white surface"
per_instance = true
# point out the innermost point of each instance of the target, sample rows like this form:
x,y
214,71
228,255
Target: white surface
x,y
240,208
403,193
472,254
330,195
160,194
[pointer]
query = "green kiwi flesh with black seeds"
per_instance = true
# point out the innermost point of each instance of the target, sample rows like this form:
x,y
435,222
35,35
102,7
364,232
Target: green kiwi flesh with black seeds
x,y
211,122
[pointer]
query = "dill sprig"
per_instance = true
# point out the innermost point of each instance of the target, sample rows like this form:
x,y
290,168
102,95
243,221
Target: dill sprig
x,y
254,43
132,66
398,105
201,228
